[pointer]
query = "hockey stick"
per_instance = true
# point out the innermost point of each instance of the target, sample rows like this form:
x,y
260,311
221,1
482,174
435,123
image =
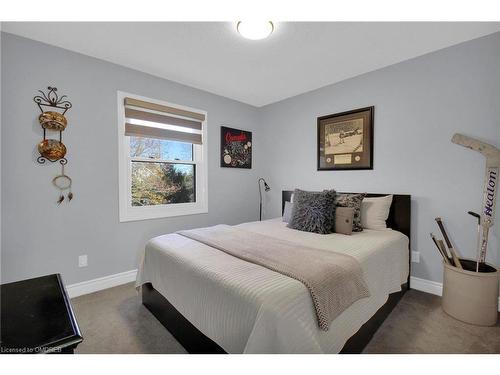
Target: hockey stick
x,y
443,249
492,155
456,261
478,217
440,249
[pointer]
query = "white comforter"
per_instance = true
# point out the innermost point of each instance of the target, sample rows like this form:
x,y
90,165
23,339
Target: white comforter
x,y
246,308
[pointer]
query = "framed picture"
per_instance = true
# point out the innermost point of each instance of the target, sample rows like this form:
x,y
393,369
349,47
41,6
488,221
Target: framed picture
x,y
345,140
235,148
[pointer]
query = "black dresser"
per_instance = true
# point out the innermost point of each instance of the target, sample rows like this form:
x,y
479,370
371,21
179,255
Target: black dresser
x,y
37,317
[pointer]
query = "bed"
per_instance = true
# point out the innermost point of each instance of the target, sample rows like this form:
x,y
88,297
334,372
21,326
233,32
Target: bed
x,y
213,302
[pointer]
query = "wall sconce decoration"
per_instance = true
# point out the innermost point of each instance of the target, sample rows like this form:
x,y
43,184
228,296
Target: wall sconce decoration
x,y
52,119
52,149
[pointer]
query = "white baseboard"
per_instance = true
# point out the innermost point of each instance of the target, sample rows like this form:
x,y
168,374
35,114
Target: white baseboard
x,y
431,287
91,286
426,286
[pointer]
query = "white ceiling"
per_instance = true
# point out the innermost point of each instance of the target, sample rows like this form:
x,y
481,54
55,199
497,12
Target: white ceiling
x,y
298,57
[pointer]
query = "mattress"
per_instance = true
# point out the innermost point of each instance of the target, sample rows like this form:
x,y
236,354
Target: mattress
x,y
246,308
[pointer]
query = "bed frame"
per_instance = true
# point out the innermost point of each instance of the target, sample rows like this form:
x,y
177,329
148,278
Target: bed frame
x,y
194,341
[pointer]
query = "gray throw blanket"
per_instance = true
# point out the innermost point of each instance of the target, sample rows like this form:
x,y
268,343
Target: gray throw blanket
x,y
335,281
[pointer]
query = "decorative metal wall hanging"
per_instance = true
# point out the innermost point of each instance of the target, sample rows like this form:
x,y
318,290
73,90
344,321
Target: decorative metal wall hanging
x,y
52,119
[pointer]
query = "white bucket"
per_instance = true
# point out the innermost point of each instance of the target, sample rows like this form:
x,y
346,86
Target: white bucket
x,y
470,296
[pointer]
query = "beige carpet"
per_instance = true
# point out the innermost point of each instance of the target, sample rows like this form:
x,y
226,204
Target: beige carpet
x,y
114,321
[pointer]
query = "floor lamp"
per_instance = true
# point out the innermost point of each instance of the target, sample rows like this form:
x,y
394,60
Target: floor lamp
x,y
266,188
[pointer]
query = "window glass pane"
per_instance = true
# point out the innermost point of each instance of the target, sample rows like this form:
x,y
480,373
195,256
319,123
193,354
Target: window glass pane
x,y
160,149
162,183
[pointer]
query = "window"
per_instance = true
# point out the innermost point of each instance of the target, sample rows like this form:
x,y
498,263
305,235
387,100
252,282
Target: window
x,y
162,159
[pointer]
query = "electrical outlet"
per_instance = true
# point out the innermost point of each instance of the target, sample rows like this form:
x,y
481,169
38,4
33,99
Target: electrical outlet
x,y
415,257
82,261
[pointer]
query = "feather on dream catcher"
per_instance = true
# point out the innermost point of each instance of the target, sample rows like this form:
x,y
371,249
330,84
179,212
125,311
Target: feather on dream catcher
x,y
53,121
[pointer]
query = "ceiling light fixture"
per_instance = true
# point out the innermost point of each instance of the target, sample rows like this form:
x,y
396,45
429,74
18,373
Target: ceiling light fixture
x,y
255,30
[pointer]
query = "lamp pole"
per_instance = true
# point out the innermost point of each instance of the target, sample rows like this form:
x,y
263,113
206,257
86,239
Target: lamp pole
x,y
266,188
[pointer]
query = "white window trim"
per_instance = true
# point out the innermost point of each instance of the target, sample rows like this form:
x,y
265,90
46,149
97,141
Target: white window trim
x,y
133,213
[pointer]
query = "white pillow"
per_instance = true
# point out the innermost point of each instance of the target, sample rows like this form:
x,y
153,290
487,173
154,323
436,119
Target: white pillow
x,y
375,211
287,212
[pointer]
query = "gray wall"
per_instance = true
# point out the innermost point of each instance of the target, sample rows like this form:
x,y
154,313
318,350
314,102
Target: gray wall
x,y
419,105
38,236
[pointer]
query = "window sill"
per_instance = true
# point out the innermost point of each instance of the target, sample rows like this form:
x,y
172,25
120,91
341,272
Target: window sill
x,y
159,212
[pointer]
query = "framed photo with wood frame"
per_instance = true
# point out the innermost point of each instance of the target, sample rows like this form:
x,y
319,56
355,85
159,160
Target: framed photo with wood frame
x,y
345,140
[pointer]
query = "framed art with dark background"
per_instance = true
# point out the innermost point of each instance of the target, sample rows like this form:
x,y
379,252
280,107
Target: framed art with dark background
x,y
345,140
235,148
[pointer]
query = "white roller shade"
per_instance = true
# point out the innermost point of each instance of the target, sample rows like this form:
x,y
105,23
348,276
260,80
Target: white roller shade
x,y
160,133
143,120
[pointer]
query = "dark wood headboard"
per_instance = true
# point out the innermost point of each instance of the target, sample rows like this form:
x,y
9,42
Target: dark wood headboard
x,y
399,216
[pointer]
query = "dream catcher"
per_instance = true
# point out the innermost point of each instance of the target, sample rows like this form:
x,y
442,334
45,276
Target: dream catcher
x,y
53,121
63,183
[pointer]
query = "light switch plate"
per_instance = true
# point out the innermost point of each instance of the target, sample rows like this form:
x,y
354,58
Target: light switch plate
x,y
415,257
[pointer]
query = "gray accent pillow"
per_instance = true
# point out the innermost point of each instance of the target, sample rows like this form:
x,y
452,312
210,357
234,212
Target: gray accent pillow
x,y
354,201
287,212
343,220
313,211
